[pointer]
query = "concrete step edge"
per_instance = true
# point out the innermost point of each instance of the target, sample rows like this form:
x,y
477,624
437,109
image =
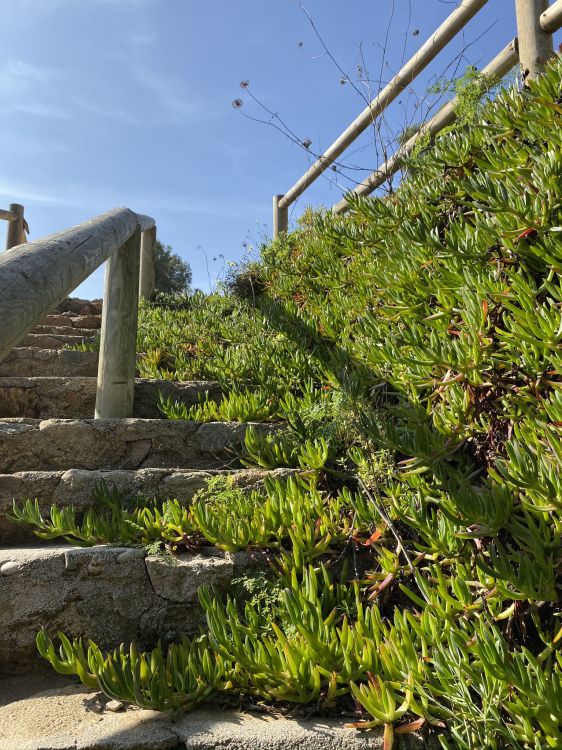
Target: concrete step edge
x,y
69,320
54,341
64,330
56,713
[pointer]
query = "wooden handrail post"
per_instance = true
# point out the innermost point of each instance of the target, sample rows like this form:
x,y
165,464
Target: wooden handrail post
x,y
15,227
118,345
551,19
280,217
535,45
147,271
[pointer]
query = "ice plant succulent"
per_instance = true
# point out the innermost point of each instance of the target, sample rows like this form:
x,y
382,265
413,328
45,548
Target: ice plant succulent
x,y
412,351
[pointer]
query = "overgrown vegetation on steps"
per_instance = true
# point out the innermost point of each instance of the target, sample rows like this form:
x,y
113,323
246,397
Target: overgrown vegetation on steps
x,y
418,573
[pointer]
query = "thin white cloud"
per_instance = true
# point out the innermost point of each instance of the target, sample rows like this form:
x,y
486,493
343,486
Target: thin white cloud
x,y
27,89
221,207
132,3
124,3
183,107
141,40
17,76
25,147
49,6
97,200
41,110
169,92
108,111
24,194
24,88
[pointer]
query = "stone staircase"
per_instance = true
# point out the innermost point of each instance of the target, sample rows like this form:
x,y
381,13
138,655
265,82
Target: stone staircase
x,y
51,449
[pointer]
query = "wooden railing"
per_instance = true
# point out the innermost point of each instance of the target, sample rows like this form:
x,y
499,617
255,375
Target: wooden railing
x,y
536,21
35,277
17,225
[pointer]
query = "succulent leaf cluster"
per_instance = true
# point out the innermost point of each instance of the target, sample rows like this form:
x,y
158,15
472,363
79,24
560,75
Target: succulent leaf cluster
x,y
414,350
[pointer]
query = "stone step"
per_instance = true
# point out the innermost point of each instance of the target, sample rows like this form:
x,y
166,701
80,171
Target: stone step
x,y
78,306
69,320
31,362
53,340
76,487
112,594
55,444
75,397
52,712
64,330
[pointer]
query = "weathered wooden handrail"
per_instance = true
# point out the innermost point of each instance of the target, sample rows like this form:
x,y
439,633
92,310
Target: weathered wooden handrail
x,y
551,19
36,277
498,67
7,215
456,21
535,47
17,225
536,22
147,268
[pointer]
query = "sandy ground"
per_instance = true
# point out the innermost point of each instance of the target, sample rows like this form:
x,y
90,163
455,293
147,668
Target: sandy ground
x,y
48,704
42,712
50,712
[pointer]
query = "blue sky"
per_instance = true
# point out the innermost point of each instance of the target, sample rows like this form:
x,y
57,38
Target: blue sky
x,y
129,102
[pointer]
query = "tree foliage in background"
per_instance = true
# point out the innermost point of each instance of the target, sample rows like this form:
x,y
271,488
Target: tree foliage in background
x,y
173,275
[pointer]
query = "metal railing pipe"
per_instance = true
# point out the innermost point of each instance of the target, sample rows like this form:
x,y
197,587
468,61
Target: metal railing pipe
x,y
429,50
499,66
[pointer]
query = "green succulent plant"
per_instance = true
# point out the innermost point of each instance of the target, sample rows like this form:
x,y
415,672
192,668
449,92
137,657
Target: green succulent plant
x,y
412,350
